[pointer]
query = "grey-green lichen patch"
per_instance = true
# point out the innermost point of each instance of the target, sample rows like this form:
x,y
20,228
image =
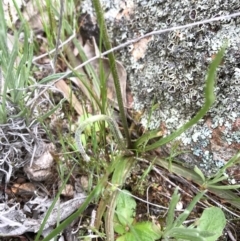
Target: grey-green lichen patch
x,y
173,70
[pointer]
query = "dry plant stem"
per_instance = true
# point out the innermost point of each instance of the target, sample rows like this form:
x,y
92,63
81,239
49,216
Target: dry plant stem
x,y
234,15
107,43
55,49
231,235
140,199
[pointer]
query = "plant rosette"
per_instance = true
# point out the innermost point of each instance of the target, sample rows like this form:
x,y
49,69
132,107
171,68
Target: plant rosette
x,y
125,225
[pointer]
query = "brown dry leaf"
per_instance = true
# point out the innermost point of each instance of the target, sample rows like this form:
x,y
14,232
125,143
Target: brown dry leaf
x,y
90,51
69,95
89,48
84,181
67,191
30,11
129,98
75,60
23,188
139,48
32,15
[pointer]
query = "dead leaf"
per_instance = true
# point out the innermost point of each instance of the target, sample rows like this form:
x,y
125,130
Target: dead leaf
x,y
22,189
91,49
41,168
69,95
67,191
139,48
84,181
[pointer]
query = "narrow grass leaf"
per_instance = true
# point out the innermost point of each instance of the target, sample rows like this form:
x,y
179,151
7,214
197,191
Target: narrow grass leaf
x,y
52,206
171,211
224,187
200,173
186,234
182,217
97,191
113,67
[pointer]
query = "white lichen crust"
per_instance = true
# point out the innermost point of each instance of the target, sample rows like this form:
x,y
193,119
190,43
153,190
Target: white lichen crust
x,y
173,68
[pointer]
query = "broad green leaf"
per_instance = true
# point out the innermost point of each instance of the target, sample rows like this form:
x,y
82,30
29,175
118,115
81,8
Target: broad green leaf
x,y
212,220
118,227
146,231
125,209
125,216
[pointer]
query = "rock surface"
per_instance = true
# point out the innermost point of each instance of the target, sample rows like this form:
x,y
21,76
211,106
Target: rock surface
x,y
170,70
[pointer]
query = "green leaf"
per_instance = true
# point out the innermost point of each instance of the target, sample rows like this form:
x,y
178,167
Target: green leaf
x,y
87,131
146,231
183,216
125,216
121,238
183,233
125,209
3,115
171,211
200,173
95,125
118,227
212,220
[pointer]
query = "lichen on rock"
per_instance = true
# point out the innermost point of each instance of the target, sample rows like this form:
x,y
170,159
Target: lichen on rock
x,y
171,70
